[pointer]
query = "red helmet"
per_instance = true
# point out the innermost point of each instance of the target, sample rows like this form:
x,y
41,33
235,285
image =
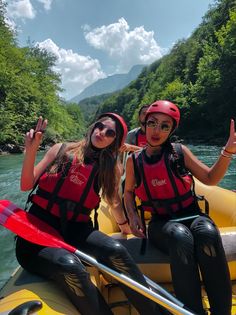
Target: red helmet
x,y
121,123
165,107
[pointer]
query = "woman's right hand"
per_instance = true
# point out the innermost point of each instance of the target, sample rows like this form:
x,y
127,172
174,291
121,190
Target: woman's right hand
x,y
126,147
136,225
230,146
34,137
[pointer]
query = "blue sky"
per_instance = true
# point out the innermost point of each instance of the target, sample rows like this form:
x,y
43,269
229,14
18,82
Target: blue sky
x,y
96,38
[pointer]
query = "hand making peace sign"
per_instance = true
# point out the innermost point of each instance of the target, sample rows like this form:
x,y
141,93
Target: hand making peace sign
x,y
34,137
231,143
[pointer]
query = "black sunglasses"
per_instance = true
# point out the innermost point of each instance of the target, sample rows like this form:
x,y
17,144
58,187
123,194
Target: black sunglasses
x,y
165,127
110,133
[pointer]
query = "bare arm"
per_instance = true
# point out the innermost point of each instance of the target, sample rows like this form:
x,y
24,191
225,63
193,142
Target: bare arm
x,y
119,215
134,219
117,209
212,175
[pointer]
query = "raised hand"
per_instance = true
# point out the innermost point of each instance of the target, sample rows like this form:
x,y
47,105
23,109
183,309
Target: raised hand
x,y
231,143
34,137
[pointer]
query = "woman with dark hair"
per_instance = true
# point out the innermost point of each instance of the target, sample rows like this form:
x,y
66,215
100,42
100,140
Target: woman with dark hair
x,y
161,176
69,179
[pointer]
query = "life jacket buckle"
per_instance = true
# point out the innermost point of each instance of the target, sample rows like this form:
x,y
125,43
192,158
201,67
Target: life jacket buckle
x,y
202,198
68,205
155,204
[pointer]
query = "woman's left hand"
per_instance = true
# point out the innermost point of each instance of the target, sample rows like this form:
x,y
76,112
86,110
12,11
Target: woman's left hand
x,y
231,143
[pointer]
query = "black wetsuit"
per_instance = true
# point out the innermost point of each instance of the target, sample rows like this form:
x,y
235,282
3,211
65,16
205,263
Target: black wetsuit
x,y
191,245
67,270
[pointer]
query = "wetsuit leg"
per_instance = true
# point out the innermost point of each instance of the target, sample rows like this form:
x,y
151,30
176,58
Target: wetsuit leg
x,y
176,240
213,265
111,253
67,270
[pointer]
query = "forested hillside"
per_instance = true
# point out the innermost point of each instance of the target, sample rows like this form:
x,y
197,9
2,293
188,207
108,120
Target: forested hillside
x,y
199,74
29,88
88,106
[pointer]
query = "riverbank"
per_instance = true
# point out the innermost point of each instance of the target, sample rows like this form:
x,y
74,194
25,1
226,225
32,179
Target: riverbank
x,y
6,149
11,148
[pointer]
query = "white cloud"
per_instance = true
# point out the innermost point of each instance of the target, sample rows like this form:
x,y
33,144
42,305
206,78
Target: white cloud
x,y
127,47
46,3
77,72
24,9
20,9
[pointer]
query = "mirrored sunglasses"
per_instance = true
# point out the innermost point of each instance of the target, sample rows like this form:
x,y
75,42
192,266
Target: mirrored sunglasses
x,y
110,133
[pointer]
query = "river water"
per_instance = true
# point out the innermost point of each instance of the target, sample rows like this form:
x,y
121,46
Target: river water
x,y
10,168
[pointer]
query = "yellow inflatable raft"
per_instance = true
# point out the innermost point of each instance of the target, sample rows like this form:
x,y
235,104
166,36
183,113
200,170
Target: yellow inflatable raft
x,y
23,287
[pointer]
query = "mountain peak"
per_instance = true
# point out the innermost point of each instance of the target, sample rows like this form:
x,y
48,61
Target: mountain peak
x,y
110,84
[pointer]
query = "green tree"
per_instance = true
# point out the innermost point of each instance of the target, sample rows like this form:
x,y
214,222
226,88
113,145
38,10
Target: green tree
x,y
29,88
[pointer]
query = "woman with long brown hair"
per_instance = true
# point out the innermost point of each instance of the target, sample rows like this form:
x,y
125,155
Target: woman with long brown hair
x,y
69,179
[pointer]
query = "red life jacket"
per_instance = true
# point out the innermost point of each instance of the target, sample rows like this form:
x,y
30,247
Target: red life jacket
x,y
141,139
69,193
160,190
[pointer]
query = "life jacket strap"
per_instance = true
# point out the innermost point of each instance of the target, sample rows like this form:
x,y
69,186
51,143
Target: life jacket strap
x,y
68,204
58,156
80,204
164,203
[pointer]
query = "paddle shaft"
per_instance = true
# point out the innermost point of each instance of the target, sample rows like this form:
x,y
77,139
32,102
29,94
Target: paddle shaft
x,y
162,291
37,231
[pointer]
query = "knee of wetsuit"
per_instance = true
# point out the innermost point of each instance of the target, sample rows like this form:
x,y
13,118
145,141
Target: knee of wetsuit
x,y
113,250
206,236
70,263
180,242
203,226
178,234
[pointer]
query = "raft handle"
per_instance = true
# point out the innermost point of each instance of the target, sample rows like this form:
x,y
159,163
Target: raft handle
x,y
27,308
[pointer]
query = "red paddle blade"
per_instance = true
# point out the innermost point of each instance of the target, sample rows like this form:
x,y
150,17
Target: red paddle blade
x,y
30,227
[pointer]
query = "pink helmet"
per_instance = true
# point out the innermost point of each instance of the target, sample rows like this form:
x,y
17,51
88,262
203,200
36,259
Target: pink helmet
x,y
165,107
121,123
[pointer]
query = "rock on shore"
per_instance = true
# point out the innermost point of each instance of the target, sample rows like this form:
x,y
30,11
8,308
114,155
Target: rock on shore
x,y
11,148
